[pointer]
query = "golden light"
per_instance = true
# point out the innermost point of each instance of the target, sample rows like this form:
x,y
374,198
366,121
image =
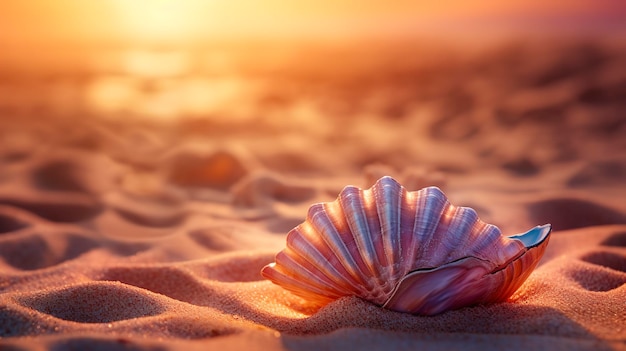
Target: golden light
x,y
161,20
184,21
156,64
168,58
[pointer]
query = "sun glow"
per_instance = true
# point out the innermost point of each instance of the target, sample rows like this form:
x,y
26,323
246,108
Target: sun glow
x,y
182,22
162,20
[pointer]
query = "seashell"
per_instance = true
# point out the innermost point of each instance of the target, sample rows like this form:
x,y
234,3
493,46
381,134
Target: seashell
x,y
406,251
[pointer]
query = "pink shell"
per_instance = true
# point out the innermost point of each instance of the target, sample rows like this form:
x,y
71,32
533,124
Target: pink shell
x,y
406,251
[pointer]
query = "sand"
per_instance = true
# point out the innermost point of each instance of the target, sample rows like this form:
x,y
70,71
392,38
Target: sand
x,y
119,232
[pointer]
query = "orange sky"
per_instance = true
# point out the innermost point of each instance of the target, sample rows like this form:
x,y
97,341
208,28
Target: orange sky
x,y
181,20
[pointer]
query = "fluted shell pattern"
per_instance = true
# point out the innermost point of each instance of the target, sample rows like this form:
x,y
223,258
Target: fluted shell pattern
x,y
406,251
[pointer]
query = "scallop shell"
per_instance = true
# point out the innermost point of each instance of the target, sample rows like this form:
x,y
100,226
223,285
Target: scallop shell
x,y
406,251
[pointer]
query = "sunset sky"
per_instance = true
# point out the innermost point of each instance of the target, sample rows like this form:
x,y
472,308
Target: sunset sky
x,y
181,21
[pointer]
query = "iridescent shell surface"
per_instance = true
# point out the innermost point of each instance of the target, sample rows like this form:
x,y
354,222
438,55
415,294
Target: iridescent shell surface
x,y
406,251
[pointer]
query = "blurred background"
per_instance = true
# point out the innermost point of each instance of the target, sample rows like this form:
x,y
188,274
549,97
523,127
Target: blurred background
x,y
517,79
165,59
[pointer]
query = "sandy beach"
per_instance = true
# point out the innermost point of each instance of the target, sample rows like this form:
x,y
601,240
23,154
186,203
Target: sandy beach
x,y
125,232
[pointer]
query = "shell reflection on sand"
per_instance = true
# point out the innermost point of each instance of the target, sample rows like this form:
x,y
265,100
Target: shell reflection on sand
x,y
406,251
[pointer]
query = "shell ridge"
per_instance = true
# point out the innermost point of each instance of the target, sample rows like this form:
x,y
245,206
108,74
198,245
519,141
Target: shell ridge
x,y
499,248
323,224
355,216
459,232
418,229
429,205
299,246
312,280
388,195
407,225
374,232
444,233
442,247
346,236
313,248
293,284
